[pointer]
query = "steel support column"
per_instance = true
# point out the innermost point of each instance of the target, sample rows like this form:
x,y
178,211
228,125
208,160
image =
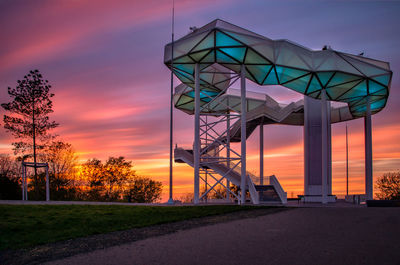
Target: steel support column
x,y
306,144
243,133
368,152
324,139
196,147
47,184
26,184
23,183
228,152
261,154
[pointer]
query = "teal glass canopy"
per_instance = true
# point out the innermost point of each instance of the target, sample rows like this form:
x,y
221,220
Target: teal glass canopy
x,y
346,78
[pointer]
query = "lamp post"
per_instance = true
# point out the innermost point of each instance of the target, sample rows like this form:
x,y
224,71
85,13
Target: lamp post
x,y
171,113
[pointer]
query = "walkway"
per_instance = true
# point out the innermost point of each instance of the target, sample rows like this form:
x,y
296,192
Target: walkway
x,y
330,235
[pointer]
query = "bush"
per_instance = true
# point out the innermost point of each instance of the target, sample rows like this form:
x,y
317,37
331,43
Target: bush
x,y
143,190
10,188
389,186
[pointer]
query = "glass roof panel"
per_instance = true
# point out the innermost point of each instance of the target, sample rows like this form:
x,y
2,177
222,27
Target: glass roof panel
x,y
288,74
314,85
299,84
249,40
358,90
184,77
383,79
382,92
222,58
206,43
271,78
324,77
253,58
183,47
210,58
286,55
365,68
197,56
184,59
381,64
224,40
266,50
187,68
374,87
341,89
259,71
378,104
184,99
340,78
314,94
237,53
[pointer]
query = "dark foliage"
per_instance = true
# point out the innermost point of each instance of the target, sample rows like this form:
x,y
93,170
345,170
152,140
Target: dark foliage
x,y
10,188
144,190
389,186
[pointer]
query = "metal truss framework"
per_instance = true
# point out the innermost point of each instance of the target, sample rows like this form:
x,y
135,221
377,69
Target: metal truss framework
x,y
214,143
326,75
216,149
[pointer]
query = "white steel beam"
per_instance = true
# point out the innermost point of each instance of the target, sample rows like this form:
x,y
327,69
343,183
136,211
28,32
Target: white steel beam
x,y
196,147
243,133
47,184
228,152
325,150
261,154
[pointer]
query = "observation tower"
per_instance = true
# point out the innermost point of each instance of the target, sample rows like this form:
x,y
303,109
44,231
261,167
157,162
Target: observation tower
x,y
211,60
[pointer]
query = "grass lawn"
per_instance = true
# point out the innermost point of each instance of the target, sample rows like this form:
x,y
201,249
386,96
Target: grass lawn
x,y
30,225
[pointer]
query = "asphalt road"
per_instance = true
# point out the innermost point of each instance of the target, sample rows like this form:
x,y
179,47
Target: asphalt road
x,y
300,236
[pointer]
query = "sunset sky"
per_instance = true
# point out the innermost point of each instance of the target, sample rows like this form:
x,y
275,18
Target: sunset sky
x,y
104,60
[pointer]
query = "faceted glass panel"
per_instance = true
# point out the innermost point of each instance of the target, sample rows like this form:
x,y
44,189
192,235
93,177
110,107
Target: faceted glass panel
x,y
224,40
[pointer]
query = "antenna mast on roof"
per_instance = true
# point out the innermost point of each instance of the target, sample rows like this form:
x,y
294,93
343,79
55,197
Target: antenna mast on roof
x,y
171,200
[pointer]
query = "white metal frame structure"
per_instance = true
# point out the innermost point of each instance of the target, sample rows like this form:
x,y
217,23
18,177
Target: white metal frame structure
x,y
327,75
212,133
24,167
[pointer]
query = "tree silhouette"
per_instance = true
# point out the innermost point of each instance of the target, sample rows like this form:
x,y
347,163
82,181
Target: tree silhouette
x,y
29,120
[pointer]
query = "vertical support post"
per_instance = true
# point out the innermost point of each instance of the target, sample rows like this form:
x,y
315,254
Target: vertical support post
x,y
47,184
196,148
23,181
329,143
368,151
324,139
306,146
347,163
261,153
243,133
171,111
228,152
26,183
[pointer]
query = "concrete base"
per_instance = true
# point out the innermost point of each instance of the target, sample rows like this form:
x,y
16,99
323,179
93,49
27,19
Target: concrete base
x,y
356,198
317,198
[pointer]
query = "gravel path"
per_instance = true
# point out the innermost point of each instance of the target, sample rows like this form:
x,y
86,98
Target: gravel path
x,y
299,236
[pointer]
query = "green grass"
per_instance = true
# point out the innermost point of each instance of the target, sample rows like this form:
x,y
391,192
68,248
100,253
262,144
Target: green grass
x,y
29,225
